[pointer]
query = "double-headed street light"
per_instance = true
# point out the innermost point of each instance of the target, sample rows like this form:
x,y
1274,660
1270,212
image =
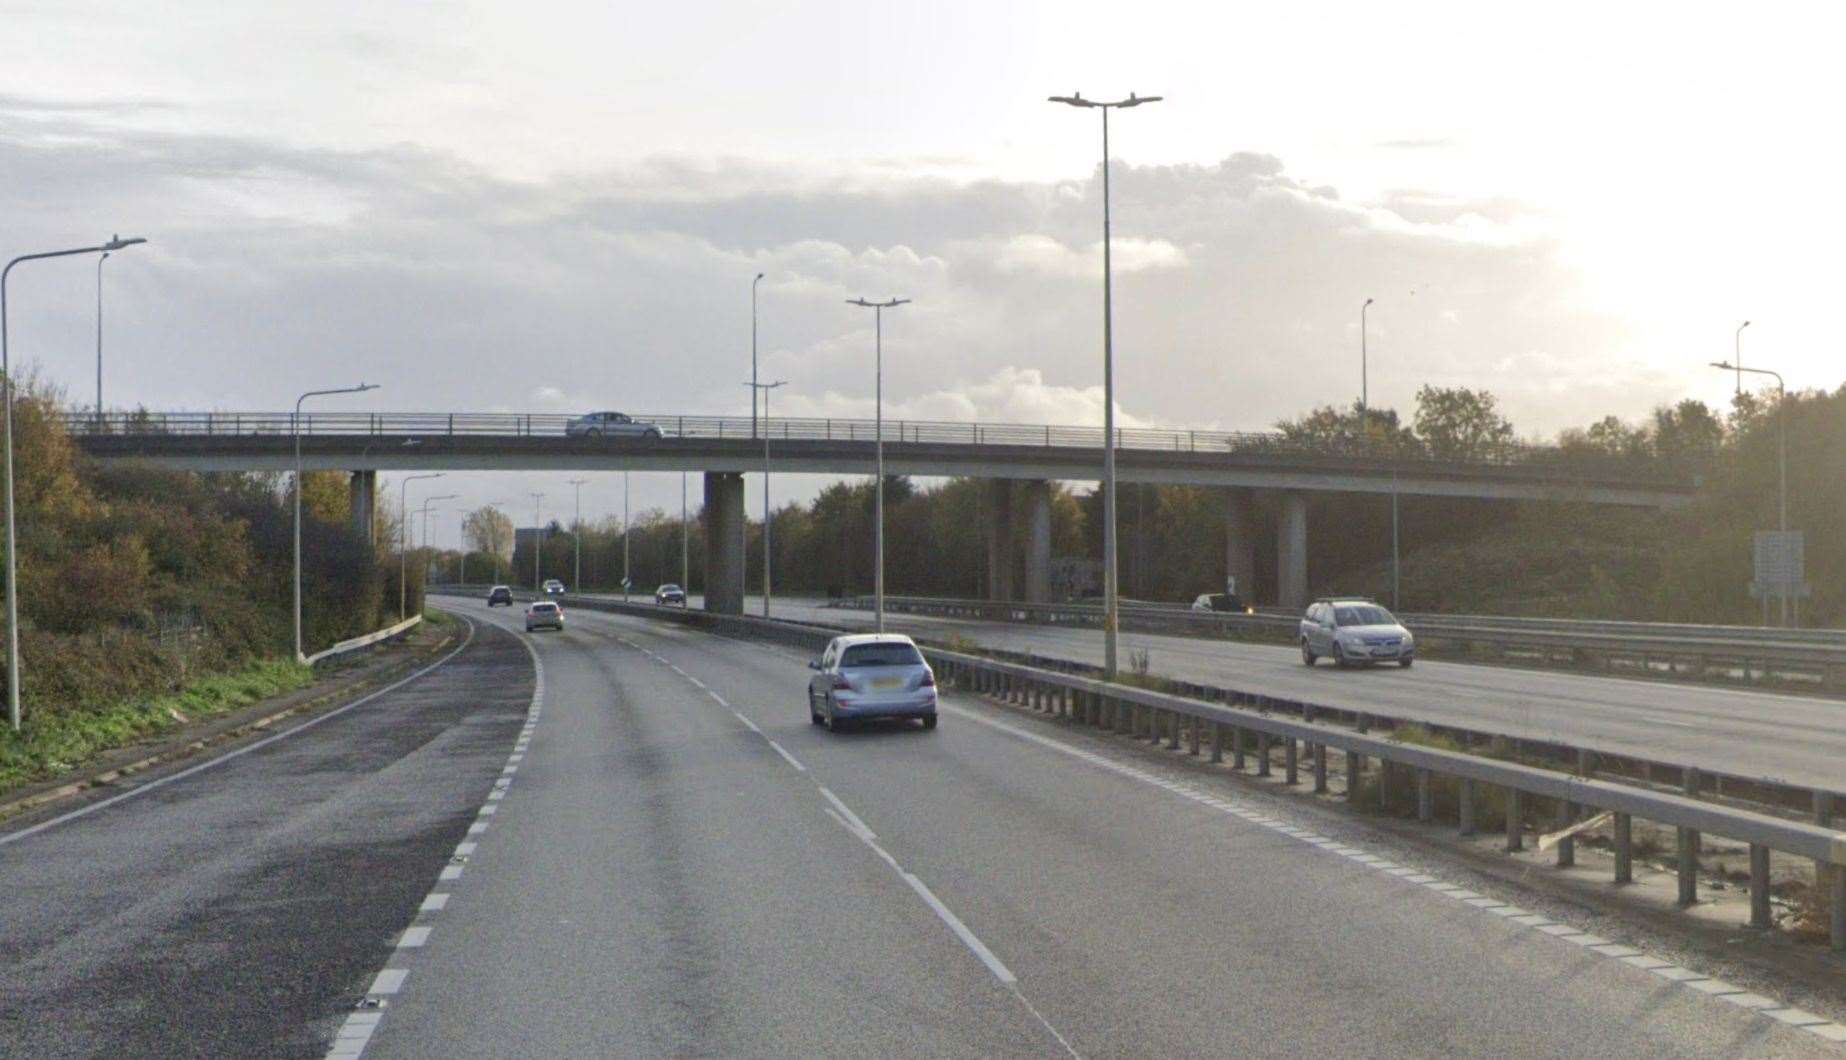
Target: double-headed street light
x,y
295,428
1108,381
765,388
1782,458
12,561
403,544
1365,404
878,490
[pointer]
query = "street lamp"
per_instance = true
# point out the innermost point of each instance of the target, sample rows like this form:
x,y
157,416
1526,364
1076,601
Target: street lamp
x,y
537,535
753,283
1108,381
295,428
576,536
426,503
1737,350
685,539
403,543
765,388
625,578
1782,459
12,562
878,490
1365,404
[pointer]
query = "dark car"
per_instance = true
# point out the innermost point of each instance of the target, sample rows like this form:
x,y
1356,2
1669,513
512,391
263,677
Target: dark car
x,y
670,594
1225,602
500,594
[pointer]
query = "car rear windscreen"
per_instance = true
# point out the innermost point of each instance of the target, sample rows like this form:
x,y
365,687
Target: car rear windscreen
x,y
881,655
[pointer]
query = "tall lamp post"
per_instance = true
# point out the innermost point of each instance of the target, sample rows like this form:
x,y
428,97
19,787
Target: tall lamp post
x,y
538,533
1781,460
99,339
403,540
1365,402
753,283
1108,381
427,501
625,578
685,540
1737,353
12,562
878,488
295,428
765,388
576,536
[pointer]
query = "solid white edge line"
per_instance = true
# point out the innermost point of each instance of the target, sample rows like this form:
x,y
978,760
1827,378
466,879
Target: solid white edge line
x,y
83,811
850,816
968,938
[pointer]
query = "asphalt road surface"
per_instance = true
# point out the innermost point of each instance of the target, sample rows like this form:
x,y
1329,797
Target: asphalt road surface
x,y
1799,740
663,857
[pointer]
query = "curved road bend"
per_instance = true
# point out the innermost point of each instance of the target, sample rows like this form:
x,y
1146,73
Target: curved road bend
x,y
1793,739
683,865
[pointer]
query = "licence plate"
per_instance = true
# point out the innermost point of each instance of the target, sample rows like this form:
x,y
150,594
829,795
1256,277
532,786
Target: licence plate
x,y
885,683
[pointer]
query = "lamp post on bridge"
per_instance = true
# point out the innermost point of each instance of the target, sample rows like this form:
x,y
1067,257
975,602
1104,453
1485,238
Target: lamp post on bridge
x,y
295,429
1109,584
878,487
12,561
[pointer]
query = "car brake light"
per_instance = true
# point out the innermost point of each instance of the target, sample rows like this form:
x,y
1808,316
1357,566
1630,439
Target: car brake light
x,y
840,682
929,680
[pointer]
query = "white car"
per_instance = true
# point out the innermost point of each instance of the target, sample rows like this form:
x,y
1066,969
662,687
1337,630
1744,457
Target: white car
x,y
554,587
871,675
609,425
544,614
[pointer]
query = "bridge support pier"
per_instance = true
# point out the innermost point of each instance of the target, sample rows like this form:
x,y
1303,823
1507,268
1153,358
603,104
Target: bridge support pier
x,y
1000,539
1240,541
364,494
1292,551
724,542
1038,541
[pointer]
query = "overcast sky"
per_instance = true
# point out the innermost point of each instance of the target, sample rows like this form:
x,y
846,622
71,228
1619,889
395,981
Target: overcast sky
x,y
557,207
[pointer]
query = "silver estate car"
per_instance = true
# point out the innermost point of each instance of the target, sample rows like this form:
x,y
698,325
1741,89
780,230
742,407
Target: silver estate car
x,y
543,614
1354,632
609,425
871,675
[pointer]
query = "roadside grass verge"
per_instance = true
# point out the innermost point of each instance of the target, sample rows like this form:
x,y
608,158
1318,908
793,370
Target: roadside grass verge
x,y
52,743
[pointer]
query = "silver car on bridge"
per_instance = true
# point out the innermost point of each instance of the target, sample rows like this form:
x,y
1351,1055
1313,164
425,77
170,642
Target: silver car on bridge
x,y
1354,631
609,425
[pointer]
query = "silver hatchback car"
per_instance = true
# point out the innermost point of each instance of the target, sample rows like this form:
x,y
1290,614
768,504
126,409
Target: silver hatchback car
x,y
871,675
1354,632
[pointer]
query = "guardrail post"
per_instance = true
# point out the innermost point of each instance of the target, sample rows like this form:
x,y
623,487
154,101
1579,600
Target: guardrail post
x,y
1124,717
1515,828
1262,754
1688,866
1192,742
1320,769
1839,908
1217,742
1823,816
1567,846
1759,886
1355,765
1464,810
1291,761
1173,732
1624,848
1425,804
1237,749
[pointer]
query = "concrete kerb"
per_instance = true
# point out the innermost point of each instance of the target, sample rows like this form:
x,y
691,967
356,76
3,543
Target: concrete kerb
x,y
1822,844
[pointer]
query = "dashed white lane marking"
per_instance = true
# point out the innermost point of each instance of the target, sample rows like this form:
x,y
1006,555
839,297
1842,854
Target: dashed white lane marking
x,y
791,758
228,756
852,818
968,938
356,1031
748,724
1696,980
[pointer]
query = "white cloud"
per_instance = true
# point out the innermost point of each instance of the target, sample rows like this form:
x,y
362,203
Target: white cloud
x,y
1045,255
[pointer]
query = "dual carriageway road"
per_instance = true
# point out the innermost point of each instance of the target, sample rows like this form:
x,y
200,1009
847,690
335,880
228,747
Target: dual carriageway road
x,y
629,841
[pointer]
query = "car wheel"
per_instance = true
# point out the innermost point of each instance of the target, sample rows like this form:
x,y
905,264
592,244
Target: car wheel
x,y
1307,653
1405,663
929,721
1339,656
652,434
835,723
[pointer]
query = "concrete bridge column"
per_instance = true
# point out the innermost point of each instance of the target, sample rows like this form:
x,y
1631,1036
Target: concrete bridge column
x,y
724,542
364,487
1038,541
1240,540
1292,551
1000,539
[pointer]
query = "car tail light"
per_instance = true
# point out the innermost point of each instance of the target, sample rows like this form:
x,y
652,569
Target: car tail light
x,y
929,680
840,683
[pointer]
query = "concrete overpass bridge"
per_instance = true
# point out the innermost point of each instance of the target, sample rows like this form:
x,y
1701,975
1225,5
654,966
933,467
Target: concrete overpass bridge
x,y
1262,476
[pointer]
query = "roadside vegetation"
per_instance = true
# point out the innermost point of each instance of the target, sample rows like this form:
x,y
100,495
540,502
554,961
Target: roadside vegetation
x,y
147,595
